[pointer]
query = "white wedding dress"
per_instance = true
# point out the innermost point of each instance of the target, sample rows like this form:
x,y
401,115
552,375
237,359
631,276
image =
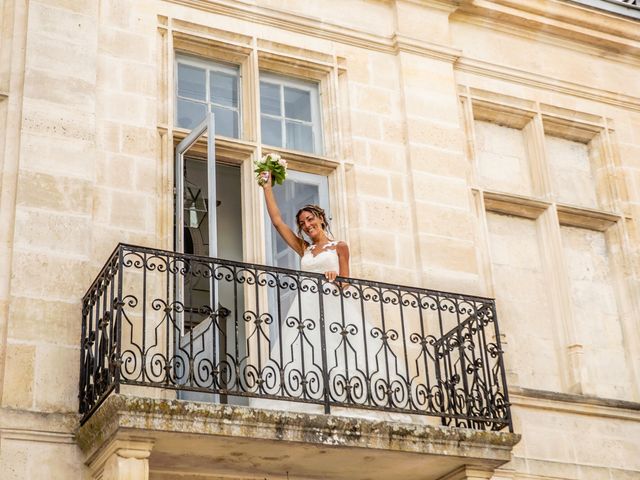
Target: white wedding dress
x,y
354,356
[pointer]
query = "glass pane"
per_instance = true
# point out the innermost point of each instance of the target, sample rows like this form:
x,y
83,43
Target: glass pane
x,y
297,104
271,131
299,137
191,82
226,122
270,98
224,89
190,114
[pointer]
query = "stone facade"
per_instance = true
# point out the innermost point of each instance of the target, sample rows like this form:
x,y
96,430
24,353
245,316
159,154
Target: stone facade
x,y
488,147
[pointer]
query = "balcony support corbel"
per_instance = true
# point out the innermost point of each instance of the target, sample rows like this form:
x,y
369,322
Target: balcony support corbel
x,y
469,473
123,459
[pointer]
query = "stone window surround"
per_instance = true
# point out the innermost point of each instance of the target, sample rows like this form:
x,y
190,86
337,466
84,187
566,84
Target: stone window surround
x,y
252,55
535,120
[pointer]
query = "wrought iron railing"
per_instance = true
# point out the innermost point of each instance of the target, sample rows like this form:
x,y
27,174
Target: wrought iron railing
x,y
276,334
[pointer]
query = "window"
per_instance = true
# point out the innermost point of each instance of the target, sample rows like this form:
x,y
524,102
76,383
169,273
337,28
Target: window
x,y
202,85
553,231
290,113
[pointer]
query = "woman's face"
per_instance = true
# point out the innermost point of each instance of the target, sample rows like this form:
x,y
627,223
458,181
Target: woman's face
x,y
310,224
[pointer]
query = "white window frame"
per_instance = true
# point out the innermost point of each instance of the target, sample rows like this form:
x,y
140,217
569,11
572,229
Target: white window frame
x,y
209,66
316,118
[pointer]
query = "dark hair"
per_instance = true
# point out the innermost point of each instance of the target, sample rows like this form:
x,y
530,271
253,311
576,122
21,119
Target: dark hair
x,y
316,211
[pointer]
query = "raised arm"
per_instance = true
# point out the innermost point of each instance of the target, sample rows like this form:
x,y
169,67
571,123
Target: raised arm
x,y
294,241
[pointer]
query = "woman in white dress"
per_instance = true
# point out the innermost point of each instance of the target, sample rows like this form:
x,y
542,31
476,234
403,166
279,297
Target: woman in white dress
x,y
354,349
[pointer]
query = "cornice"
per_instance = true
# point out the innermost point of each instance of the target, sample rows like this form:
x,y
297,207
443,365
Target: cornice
x,y
514,75
426,49
585,29
292,22
400,43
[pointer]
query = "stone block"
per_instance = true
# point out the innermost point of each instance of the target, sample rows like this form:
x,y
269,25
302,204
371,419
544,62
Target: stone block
x,y
372,182
116,171
108,136
426,103
448,254
14,460
435,134
126,45
406,248
51,231
56,88
58,155
51,192
439,161
58,277
132,211
127,108
62,24
441,220
381,215
61,121
381,101
54,56
393,130
446,191
358,65
365,125
139,141
384,71
399,186
86,7
387,156
19,376
56,387
37,320
138,79
382,250
117,13
109,74
146,175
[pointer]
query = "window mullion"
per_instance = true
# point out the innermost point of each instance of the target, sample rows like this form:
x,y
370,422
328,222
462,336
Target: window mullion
x,y
283,121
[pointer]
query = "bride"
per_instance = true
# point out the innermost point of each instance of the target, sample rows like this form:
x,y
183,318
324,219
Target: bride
x,y
353,357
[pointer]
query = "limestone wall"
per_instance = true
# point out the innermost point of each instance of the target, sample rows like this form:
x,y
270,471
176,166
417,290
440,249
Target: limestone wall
x,y
470,146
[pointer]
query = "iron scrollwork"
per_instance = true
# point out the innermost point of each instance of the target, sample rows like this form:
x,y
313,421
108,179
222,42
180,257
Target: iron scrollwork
x,y
231,329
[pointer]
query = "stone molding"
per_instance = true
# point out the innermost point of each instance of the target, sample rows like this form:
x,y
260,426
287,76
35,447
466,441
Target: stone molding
x,y
575,404
514,75
123,413
556,19
401,43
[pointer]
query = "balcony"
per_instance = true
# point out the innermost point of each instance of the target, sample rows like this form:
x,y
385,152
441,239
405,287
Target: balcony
x,y
168,335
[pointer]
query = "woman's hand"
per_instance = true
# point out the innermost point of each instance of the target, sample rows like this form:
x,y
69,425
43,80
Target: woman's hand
x,y
265,179
330,276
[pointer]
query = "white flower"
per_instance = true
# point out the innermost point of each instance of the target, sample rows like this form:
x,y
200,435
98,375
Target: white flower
x,y
282,162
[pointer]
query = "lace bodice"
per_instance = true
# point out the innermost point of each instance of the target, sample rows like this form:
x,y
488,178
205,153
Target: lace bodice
x,y
324,261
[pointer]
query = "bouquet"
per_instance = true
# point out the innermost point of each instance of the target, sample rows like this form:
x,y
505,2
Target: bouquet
x,y
274,163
